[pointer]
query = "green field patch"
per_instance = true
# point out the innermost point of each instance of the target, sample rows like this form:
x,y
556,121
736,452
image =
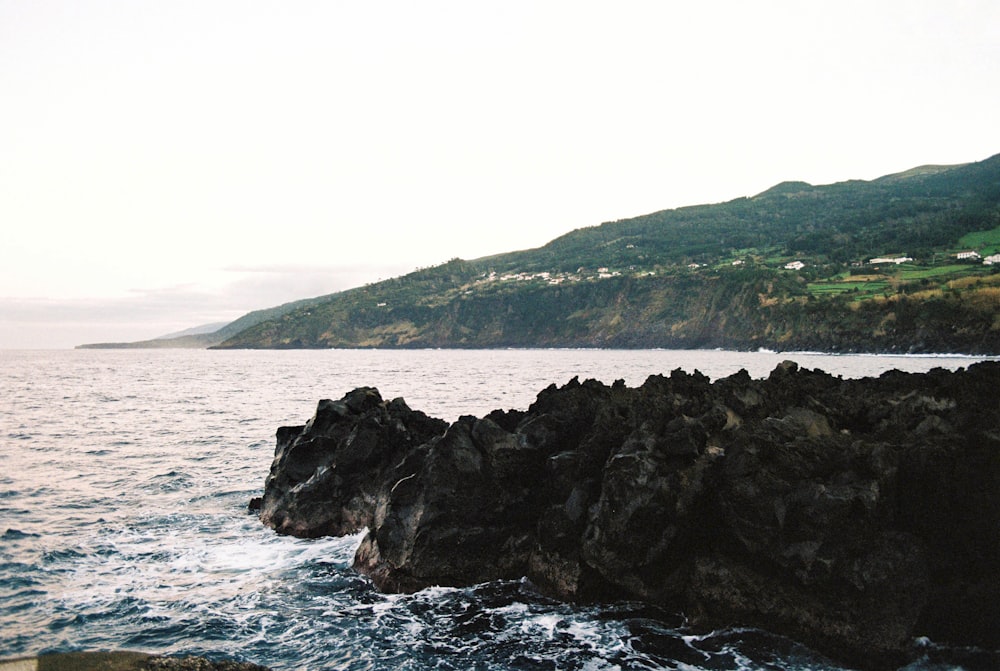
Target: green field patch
x,y
914,273
982,241
863,289
823,289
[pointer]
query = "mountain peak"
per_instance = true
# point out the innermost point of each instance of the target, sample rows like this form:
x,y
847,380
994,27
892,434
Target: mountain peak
x,y
786,188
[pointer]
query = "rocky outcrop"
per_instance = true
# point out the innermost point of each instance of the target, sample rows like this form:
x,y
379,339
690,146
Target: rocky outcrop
x,y
124,660
326,475
852,515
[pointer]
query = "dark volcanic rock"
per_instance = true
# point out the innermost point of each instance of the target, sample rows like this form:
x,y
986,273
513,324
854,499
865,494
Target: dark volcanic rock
x,y
326,474
125,660
852,515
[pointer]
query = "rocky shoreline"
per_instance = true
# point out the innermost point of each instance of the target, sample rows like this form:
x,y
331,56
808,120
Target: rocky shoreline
x,y
851,515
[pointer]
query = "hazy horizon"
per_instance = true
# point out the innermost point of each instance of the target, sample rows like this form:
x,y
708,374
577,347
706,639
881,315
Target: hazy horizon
x,y
171,165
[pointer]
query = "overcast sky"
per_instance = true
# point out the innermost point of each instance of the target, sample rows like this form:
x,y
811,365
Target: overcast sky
x,y
167,164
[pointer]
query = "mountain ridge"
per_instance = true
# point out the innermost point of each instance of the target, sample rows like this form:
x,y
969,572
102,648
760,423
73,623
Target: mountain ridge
x,y
788,268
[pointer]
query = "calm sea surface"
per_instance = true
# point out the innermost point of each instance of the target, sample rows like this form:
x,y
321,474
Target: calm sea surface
x,y
124,481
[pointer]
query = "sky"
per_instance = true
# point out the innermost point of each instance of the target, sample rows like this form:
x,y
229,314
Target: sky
x,y
170,164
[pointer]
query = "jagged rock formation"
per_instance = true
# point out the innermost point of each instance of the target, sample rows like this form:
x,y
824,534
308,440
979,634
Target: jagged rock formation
x,y
852,515
327,474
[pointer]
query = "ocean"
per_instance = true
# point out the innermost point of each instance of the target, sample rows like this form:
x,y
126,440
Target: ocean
x,y
124,482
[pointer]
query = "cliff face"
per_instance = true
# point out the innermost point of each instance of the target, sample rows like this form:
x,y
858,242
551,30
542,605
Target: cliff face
x,y
733,308
852,515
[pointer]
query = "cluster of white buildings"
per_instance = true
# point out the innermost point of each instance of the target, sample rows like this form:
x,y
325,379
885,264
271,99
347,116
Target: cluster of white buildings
x,y
974,256
884,259
548,278
603,272
523,277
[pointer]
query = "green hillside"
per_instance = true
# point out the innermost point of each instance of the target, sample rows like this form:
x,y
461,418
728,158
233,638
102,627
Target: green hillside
x,y
705,276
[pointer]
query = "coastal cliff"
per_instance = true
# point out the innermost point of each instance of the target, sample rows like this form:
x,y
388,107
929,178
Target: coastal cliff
x,y
904,263
851,515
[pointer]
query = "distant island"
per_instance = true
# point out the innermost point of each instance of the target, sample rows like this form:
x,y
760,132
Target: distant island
x,y
905,263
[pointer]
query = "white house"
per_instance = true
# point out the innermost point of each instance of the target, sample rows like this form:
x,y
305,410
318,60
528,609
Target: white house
x,y
991,259
795,265
967,255
897,260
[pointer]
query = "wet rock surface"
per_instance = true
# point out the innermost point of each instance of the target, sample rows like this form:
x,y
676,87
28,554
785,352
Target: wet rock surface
x,y
123,660
852,515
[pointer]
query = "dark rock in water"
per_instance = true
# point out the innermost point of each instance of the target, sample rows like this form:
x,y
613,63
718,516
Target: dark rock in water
x,y
197,664
852,515
326,475
123,661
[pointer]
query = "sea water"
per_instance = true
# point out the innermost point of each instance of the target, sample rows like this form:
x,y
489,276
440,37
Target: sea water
x,y
124,482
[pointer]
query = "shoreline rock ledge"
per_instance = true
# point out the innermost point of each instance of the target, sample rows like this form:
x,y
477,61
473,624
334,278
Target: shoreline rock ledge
x,y
850,515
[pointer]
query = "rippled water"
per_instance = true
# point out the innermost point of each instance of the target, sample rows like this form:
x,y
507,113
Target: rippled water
x,y
124,480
